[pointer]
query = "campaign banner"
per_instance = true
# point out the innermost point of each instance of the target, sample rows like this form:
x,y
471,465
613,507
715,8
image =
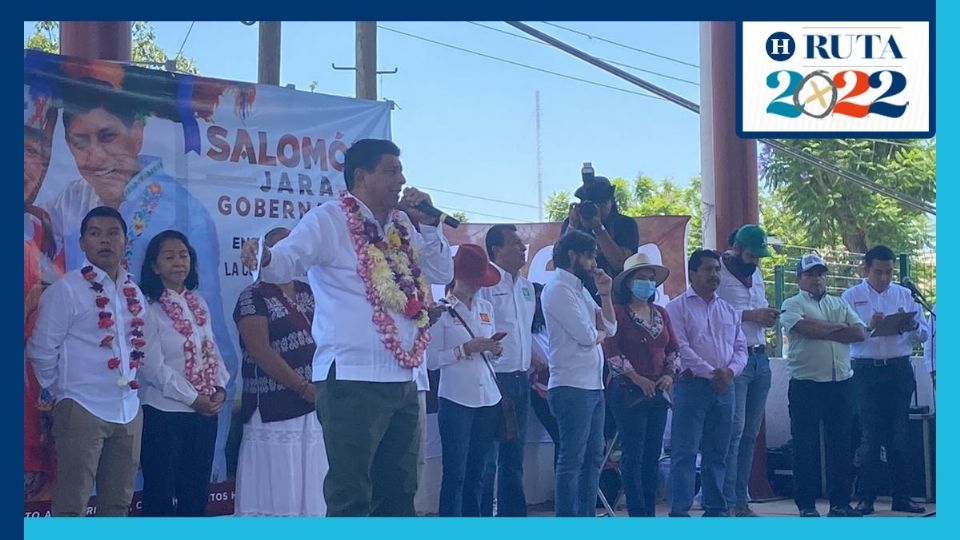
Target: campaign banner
x,y
220,161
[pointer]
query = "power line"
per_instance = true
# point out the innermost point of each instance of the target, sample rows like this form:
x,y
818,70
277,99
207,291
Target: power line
x,y
485,215
591,36
534,68
628,66
185,39
479,197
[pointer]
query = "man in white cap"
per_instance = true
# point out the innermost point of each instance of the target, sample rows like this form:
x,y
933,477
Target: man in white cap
x,y
820,328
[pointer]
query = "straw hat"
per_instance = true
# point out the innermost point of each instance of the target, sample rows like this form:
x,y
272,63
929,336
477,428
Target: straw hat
x,y
635,263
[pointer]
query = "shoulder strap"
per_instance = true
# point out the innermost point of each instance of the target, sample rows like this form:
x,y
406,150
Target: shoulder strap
x,y
452,310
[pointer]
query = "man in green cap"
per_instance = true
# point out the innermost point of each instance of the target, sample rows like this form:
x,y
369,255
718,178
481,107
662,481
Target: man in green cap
x,y
741,286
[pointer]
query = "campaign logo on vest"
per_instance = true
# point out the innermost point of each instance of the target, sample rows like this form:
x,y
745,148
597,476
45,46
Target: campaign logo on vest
x,y
835,79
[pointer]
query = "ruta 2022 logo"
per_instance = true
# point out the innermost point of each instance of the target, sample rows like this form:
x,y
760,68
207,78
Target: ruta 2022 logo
x,y
835,78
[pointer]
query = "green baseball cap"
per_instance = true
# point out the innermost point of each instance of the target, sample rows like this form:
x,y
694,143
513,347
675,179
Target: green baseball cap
x,y
752,237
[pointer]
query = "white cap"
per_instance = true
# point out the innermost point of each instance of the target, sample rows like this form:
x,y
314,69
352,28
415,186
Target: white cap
x,y
809,261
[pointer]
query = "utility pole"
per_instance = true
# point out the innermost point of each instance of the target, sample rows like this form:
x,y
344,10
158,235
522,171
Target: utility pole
x,y
104,40
268,68
366,61
539,164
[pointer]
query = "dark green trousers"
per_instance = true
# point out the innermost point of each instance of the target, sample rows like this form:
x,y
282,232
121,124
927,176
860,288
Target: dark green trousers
x,y
371,431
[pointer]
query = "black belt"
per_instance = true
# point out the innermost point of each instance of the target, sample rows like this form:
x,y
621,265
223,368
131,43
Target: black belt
x,y
878,362
757,349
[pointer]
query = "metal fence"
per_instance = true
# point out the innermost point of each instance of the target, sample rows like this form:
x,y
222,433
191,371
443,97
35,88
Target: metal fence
x,y
780,273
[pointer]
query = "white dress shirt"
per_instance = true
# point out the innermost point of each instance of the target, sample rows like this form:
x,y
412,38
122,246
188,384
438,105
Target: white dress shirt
x,y
575,357
65,345
320,245
930,347
743,298
465,380
174,393
514,302
866,301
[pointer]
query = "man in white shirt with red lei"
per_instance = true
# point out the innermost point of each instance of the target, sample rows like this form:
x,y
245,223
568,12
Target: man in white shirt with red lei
x,y
514,303
883,379
86,350
370,270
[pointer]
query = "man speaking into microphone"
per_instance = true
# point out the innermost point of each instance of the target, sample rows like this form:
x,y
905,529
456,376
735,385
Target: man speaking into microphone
x,y
370,270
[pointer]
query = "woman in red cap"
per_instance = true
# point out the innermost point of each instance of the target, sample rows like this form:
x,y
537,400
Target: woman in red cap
x,y
463,346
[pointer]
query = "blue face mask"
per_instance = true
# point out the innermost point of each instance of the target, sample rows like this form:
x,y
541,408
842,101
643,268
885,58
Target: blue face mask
x,y
643,288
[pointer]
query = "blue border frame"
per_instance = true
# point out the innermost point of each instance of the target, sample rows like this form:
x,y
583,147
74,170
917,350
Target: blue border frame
x,y
932,98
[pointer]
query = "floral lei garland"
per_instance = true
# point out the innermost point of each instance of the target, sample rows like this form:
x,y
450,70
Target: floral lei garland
x,y
204,377
392,279
105,321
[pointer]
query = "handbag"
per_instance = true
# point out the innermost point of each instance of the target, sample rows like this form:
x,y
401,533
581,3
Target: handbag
x,y
508,428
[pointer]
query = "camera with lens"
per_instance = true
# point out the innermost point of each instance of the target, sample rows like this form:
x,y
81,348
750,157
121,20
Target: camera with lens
x,y
587,207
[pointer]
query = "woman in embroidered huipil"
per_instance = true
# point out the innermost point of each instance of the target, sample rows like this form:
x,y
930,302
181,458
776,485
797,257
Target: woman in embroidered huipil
x,y
641,358
283,461
179,419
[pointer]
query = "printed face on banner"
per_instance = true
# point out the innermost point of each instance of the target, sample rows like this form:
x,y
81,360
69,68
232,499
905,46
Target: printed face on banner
x,y
106,151
219,161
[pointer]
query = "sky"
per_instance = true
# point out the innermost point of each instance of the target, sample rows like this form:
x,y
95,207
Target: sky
x,y
466,124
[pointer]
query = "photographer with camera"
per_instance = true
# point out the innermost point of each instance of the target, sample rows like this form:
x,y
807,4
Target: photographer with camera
x,y
596,214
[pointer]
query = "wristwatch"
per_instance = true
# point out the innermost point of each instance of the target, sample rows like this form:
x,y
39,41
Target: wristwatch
x,y
598,230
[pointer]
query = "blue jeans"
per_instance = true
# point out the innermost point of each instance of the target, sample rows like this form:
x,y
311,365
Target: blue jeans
x,y
750,391
466,436
641,440
506,461
702,421
580,415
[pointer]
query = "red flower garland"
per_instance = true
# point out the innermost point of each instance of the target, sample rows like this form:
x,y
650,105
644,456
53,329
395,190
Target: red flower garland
x,y
204,377
105,321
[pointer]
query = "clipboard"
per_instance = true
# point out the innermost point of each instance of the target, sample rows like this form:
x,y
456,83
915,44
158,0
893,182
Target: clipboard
x,y
890,324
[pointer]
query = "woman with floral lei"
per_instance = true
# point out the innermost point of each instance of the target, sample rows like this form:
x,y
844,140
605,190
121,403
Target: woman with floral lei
x,y
180,409
89,344
369,268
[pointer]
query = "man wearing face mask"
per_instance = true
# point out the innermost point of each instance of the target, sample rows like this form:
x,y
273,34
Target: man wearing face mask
x,y
741,285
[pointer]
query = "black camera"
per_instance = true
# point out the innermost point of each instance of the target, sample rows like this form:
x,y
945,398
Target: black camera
x,y
588,210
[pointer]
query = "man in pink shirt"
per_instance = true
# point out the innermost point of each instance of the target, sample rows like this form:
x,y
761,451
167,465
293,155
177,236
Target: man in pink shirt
x,y
713,350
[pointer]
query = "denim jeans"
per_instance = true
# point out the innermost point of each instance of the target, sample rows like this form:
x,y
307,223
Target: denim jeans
x,y
466,436
750,391
506,461
580,415
641,440
702,421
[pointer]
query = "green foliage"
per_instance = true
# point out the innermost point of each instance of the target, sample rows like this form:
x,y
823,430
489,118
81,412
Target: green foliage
x,y
46,37
821,209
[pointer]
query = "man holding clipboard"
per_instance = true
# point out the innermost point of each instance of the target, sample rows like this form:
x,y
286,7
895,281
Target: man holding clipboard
x,y
883,377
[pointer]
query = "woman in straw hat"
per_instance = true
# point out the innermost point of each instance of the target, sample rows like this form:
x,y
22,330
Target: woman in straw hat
x,y
641,359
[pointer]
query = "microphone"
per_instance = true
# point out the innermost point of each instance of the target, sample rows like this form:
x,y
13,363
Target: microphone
x,y
429,210
908,283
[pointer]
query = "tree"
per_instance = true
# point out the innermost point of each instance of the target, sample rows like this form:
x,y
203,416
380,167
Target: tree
x,y
458,215
46,37
833,212
645,197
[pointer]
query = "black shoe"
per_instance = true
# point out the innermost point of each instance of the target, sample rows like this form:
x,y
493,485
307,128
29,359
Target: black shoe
x,y
907,506
716,513
809,512
843,511
865,507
